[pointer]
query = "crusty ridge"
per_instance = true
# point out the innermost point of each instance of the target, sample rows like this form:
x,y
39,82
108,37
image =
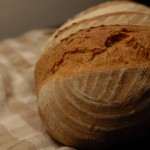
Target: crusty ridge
x,y
132,7
110,13
119,18
100,47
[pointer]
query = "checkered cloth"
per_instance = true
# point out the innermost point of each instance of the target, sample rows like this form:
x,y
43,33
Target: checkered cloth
x,y
20,125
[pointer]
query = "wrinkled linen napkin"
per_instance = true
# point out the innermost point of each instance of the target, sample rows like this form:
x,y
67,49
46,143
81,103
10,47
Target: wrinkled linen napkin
x,y
20,125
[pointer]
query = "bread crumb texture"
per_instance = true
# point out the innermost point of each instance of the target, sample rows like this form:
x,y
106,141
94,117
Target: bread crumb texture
x,y
96,48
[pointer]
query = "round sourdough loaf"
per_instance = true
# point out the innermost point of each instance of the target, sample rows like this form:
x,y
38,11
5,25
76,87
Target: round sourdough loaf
x,y
93,77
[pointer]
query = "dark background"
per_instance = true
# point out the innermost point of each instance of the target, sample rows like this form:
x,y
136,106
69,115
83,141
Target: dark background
x,y
146,2
142,143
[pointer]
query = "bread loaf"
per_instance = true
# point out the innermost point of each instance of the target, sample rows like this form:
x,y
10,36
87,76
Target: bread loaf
x,y
93,77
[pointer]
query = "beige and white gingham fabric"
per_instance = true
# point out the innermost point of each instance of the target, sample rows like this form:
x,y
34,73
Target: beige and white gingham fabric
x,y
20,125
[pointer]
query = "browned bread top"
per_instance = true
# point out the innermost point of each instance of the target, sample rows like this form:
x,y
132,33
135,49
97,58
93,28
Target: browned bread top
x,y
96,48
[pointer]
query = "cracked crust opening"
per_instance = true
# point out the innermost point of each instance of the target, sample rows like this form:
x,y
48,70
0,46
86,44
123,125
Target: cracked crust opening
x,y
95,48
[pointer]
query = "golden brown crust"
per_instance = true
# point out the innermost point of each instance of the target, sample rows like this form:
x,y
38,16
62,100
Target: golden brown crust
x,y
86,21
99,47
